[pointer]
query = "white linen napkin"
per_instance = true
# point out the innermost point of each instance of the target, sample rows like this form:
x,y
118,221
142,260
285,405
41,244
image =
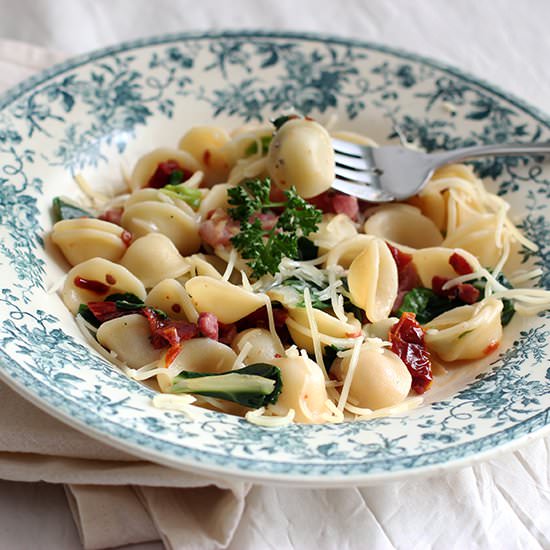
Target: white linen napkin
x,y
118,499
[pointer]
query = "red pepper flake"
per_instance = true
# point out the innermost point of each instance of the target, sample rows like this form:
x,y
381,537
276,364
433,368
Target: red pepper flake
x,y
491,347
91,285
460,264
176,308
407,340
126,237
110,279
207,155
164,171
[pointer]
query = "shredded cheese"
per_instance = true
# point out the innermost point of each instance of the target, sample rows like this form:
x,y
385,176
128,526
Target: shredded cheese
x,y
259,418
314,332
180,403
349,375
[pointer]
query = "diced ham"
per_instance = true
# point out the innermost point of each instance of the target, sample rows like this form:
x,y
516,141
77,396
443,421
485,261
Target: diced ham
x,y
208,325
218,228
334,202
345,204
113,215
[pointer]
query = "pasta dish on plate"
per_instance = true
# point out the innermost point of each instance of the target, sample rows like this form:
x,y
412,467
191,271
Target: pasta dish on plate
x,y
230,275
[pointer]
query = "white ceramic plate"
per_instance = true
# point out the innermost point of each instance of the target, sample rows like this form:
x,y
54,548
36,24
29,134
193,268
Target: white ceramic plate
x,y
95,112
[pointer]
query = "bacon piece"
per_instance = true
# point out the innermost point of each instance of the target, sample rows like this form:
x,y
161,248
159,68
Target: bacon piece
x,y
218,228
163,173
345,204
113,215
334,202
208,325
407,342
460,264
267,219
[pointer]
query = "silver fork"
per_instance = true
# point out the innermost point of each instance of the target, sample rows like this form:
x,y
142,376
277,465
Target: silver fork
x,y
383,174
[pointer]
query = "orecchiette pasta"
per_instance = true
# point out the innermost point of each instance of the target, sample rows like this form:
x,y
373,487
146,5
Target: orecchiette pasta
x,y
148,164
467,332
303,389
95,279
180,227
301,155
216,276
85,238
153,258
226,301
128,338
372,280
380,378
394,222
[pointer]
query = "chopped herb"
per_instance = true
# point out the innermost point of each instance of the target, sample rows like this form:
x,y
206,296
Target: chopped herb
x,y
507,312
314,291
63,210
265,248
180,191
465,333
252,386
252,149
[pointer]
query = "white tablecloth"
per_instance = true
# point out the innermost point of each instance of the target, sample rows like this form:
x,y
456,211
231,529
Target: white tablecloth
x,y
501,504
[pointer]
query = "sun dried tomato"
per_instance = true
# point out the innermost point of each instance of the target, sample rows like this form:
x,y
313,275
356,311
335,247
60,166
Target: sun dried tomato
x,y
460,264
407,341
163,174
407,275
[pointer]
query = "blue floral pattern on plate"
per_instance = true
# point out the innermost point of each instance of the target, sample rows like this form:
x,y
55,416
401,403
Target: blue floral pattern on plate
x,y
97,111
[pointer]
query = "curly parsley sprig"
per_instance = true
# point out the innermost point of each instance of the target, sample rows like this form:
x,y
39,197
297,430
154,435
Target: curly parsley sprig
x,y
265,248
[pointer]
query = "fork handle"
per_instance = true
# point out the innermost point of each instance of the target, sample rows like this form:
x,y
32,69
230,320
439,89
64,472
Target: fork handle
x,y
484,150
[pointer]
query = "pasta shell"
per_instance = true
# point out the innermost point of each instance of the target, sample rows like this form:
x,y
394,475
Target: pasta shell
x,y
158,217
129,338
301,155
153,258
430,262
333,230
264,347
207,145
404,225
303,389
107,277
227,302
347,250
478,236
380,379
372,280
170,296
327,326
466,332
85,238
147,165
216,197
199,355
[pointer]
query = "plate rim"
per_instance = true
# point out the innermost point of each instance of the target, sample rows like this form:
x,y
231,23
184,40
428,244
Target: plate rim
x,y
338,479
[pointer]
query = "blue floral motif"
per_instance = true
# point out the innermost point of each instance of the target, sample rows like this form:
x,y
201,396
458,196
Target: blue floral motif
x,y
74,116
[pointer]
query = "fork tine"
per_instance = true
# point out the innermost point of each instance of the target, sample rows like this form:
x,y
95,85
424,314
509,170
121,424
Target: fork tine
x,y
359,163
361,191
357,176
348,148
